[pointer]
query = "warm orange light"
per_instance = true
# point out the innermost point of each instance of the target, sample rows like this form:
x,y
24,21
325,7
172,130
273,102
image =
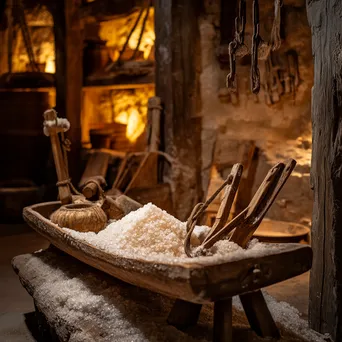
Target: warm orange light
x,y
115,32
130,108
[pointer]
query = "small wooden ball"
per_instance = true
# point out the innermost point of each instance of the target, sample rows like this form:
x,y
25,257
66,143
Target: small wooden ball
x,y
83,217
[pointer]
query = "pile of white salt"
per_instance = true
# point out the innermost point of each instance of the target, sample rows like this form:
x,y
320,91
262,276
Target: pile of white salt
x,y
153,234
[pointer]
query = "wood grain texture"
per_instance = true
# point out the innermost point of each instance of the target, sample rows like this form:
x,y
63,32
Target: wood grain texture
x,y
258,315
177,74
68,79
199,282
325,306
97,165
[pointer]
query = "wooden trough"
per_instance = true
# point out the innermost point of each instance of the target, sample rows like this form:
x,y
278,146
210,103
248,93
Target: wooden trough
x,y
196,282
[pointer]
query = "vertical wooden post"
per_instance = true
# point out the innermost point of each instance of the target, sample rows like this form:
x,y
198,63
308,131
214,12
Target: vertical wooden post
x,y
176,54
68,50
325,305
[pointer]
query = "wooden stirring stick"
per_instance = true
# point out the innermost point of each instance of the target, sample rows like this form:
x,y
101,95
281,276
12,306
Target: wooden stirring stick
x,y
52,126
227,201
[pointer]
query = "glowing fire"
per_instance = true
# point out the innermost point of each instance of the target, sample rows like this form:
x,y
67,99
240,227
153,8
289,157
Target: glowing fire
x,y
130,108
40,24
115,32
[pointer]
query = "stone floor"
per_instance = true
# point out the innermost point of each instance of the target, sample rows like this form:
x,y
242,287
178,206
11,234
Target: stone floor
x,y
16,307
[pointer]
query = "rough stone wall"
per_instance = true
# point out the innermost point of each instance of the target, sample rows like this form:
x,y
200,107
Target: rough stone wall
x,y
282,129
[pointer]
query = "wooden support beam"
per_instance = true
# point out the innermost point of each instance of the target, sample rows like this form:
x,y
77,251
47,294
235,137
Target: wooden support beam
x,y
177,52
107,9
69,49
325,305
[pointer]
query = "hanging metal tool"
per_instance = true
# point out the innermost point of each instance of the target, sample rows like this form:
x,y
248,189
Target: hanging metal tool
x,y
238,42
255,73
275,40
259,49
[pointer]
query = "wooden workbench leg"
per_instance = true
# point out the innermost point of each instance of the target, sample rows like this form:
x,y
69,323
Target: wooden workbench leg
x,y
223,321
258,315
184,314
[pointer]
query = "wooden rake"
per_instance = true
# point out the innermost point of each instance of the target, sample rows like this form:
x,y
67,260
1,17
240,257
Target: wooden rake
x,y
241,228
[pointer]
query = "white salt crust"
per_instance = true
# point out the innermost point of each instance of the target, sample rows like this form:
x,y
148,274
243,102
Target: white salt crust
x,y
150,233
104,309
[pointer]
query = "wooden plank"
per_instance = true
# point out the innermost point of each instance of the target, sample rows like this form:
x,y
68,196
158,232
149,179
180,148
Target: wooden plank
x,y
68,51
177,48
325,304
146,174
258,315
223,316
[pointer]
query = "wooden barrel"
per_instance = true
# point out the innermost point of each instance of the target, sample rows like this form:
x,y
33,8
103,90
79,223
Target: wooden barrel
x,y
14,196
24,150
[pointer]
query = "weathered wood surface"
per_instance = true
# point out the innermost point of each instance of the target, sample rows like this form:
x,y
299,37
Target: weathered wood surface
x,y
199,282
97,165
154,119
68,78
177,72
160,195
75,302
325,306
258,314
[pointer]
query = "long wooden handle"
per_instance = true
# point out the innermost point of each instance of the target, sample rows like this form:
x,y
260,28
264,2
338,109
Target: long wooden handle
x,y
227,201
154,107
62,174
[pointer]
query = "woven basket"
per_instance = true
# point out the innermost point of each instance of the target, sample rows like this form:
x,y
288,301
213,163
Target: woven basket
x,y
82,217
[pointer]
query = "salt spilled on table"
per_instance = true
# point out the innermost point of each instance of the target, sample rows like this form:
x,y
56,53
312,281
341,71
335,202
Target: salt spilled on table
x,y
153,234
